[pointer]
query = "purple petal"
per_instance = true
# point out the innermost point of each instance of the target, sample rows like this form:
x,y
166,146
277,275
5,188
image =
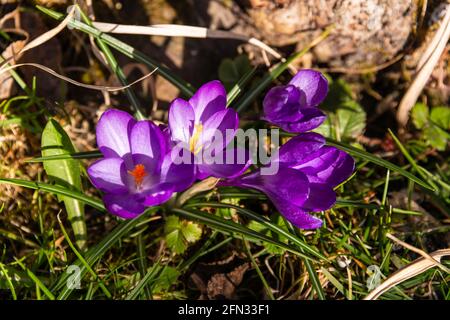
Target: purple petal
x,y
313,84
321,197
306,119
148,145
125,206
299,147
288,185
230,163
288,190
201,173
107,175
181,120
113,131
181,176
166,135
296,215
327,165
158,194
219,129
209,99
282,103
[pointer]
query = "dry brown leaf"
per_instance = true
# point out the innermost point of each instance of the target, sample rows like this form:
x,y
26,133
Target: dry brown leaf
x,y
223,286
7,84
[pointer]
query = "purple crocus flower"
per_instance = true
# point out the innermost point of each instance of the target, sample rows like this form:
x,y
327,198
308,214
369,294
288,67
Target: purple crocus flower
x,y
136,171
293,107
308,172
205,126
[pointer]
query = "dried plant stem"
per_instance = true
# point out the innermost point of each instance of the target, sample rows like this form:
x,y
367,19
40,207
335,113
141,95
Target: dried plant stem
x,y
171,30
413,269
74,82
426,66
418,251
42,38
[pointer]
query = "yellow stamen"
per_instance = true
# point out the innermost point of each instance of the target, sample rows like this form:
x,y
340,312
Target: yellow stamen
x,y
138,174
198,128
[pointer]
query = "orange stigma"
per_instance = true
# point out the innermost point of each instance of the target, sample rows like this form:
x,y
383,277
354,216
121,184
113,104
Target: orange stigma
x,y
138,174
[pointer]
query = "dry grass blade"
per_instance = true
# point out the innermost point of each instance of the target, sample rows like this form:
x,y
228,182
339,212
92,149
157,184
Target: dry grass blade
x,y
431,47
49,34
79,84
171,30
428,62
413,269
42,38
418,251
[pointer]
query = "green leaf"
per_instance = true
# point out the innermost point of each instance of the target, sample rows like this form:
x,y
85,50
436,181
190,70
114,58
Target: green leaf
x,y
352,120
346,118
65,173
167,278
436,137
441,117
232,70
58,190
180,233
420,115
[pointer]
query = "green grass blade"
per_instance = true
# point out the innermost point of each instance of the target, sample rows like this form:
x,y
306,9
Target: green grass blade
x,y
315,282
57,190
411,159
114,65
239,86
333,280
258,270
36,280
265,222
355,152
96,252
154,271
4,274
83,261
142,261
75,155
186,88
231,227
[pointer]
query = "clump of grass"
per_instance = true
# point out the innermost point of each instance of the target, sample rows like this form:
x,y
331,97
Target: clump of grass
x,y
175,252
